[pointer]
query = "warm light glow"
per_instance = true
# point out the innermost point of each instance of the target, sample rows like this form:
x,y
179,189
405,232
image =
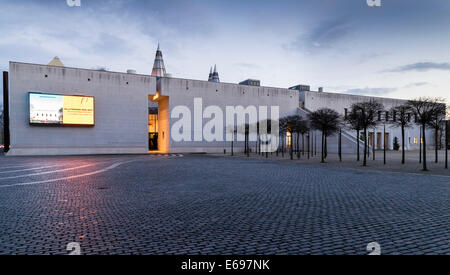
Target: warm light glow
x,y
415,140
153,123
288,139
78,110
155,97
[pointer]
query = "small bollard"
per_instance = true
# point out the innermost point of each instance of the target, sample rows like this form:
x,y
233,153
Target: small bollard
x,y
224,151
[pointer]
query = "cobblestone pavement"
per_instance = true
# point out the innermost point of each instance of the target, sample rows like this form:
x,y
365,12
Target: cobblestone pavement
x,y
199,204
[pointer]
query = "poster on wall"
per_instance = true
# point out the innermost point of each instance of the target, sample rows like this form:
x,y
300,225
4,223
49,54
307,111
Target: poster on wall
x,y
51,109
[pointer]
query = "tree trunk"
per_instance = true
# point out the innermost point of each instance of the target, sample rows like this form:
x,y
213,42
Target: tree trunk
x,y
323,146
267,146
340,145
248,145
315,144
373,143
403,144
357,145
384,144
424,149
446,144
420,145
245,144
436,141
303,144
309,139
291,152
259,144
365,147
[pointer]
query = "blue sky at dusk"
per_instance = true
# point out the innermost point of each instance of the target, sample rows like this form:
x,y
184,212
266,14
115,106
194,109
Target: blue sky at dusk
x,y
400,49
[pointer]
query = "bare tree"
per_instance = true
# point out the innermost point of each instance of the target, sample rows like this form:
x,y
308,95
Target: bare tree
x,y
353,121
401,117
300,127
437,124
327,121
424,109
367,112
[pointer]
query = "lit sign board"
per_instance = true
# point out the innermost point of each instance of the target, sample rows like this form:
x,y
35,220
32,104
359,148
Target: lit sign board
x,y
50,109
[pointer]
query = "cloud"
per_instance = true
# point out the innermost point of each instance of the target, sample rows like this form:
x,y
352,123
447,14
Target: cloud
x,y
370,91
416,84
423,67
247,65
325,36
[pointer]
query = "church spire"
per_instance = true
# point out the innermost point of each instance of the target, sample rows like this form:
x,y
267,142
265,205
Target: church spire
x,y
215,75
210,74
159,70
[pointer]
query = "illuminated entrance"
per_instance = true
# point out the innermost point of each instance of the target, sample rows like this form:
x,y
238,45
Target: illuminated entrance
x,y
158,124
153,128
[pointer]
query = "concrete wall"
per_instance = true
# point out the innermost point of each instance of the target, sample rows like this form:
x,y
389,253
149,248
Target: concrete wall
x,y
183,92
315,100
121,111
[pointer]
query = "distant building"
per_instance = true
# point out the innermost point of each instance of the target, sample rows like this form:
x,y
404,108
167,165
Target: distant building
x,y
251,82
301,88
56,62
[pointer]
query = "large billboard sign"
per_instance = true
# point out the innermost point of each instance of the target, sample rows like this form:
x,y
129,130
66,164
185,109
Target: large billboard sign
x,y
51,109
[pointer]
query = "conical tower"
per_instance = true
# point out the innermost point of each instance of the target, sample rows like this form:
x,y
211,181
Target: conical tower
x,y
210,74
56,62
159,70
215,76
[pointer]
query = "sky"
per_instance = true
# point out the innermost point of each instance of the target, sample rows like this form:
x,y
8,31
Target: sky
x,y
399,50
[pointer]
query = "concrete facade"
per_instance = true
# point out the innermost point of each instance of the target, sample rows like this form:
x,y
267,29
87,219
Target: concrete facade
x,y
121,110
121,117
181,92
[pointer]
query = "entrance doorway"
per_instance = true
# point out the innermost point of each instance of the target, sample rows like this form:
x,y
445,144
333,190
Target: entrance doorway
x,y
158,124
153,128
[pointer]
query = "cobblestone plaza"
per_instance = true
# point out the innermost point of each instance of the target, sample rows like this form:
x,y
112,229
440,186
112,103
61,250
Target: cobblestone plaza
x,y
200,204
